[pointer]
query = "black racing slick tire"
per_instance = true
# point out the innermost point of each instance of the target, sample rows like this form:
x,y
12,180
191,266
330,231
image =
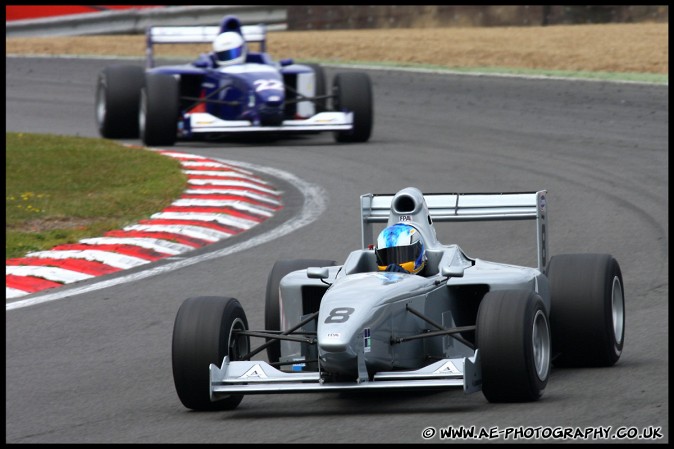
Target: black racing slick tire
x,y
159,110
513,338
272,304
117,101
204,333
587,312
352,92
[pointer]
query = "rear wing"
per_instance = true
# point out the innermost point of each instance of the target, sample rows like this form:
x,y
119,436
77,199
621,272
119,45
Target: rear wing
x,y
197,35
442,207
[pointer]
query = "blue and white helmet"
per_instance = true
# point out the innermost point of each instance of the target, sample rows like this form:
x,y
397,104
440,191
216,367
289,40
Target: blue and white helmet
x,y
401,244
229,48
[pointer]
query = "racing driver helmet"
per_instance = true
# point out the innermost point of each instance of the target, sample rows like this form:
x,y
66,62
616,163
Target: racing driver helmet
x,y
229,48
400,244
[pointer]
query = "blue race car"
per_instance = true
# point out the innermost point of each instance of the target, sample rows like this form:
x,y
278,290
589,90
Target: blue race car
x,y
230,90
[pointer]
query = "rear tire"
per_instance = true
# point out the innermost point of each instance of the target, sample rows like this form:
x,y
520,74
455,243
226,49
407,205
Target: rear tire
x,y
203,334
272,305
513,337
587,312
353,93
117,101
159,110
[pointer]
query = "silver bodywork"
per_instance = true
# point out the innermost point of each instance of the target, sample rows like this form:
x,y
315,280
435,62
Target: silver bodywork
x,y
390,330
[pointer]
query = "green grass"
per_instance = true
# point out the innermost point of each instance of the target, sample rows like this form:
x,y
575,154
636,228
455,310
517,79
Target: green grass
x,y
63,189
651,78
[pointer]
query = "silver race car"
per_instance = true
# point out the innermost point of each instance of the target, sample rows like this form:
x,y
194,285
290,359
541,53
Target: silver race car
x,y
460,322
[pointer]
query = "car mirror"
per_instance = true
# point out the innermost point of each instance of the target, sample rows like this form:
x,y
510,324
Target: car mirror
x,y
285,62
317,272
452,272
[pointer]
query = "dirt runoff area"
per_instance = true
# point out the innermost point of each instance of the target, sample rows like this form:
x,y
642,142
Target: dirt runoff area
x,y
627,48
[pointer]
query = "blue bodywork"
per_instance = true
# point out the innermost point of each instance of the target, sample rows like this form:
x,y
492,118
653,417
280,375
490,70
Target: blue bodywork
x,y
253,91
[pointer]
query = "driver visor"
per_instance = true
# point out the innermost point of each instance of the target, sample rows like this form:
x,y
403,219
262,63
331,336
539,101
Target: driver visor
x,y
228,55
398,254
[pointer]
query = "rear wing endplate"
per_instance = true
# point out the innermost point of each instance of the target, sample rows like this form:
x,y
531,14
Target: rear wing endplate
x,y
443,207
197,35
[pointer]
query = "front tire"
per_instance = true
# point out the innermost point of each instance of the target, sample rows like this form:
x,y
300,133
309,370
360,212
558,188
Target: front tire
x,y
587,314
204,333
159,110
117,100
513,337
353,93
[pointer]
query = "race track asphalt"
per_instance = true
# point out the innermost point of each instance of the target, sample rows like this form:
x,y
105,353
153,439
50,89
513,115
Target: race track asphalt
x,y
94,365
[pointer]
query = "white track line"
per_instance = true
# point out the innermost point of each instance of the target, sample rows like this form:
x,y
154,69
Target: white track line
x,y
215,165
227,220
234,192
11,293
208,234
159,245
240,205
113,259
223,174
229,183
50,273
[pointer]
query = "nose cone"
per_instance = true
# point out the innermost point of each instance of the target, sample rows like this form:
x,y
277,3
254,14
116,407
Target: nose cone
x,y
355,317
270,107
337,352
335,341
344,308
355,303
271,97
337,347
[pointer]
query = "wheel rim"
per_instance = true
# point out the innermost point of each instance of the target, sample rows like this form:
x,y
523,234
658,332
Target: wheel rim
x,y
618,310
100,107
141,114
541,345
237,346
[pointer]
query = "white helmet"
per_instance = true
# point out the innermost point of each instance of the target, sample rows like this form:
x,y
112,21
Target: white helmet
x,y
229,48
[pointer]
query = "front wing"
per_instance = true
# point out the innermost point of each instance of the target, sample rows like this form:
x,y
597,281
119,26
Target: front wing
x,y
259,377
201,122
